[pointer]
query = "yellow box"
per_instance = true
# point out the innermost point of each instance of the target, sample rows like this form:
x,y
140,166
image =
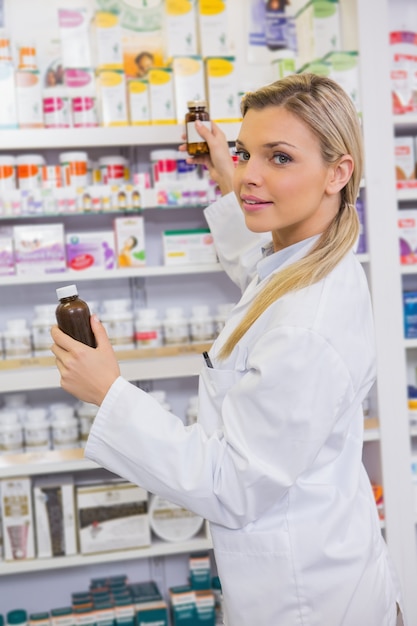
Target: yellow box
x,y
106,39
138,102
113,102
180,28
189,82
222,89
161,95
212,21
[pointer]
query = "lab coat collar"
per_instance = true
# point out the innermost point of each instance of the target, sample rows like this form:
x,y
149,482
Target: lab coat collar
x,y
272,261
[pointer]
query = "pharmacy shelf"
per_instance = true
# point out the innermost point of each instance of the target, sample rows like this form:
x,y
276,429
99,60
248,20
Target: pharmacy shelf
x,y
40,463
157,549
64,138
408,120
144,364
132,272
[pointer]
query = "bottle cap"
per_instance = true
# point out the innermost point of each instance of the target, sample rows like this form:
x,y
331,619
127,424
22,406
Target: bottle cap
x,y
67,292
18,616
197,103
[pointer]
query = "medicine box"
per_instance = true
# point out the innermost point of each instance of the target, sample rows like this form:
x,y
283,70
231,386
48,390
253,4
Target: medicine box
x,y
410,314
138,102
39,248
17,519
6,251
90,250
184,247
8,108
113,102
405,158
112,516
180,28
55,518
189,82
130,241
161,95
222,89
74,31
29,99
106,38
344,69
318,30
407,235
213,28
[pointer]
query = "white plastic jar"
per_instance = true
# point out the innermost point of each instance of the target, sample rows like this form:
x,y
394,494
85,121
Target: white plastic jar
x,y
221,316
17,340
172,522
7,172
86,413
29,171
164,165
41,329
36,430
11,433
112,170
201,324
74,169
148,329
175,327
65,432
117,319
191,414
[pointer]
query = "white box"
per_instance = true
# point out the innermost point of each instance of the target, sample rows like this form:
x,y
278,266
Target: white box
x,y
213,28
6,251
318,30
405,159
112,516
17,519
222,89
29,99
189,83
138,102
161,95
74,30
91,250
39,248
8,106
113,103
180,28
344,69
106,35
130,241
54,508
188,247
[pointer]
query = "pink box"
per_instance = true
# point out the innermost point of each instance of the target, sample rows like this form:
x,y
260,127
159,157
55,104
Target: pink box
x,y
90,251
6,252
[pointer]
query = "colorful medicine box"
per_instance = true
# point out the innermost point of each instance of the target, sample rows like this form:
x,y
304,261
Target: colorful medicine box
x,y
188,247
39,248
407,235
130,241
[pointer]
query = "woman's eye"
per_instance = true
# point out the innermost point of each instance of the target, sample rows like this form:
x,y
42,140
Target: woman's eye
x,y
281,158
242,155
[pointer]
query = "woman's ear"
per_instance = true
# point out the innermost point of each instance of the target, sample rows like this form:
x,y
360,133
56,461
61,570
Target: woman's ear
x,y
339,174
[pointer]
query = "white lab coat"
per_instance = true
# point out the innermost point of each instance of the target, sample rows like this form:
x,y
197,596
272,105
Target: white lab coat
x,y
274,462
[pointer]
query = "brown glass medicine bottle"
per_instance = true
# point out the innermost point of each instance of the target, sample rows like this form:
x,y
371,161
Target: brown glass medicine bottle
x,y
73,315
197,110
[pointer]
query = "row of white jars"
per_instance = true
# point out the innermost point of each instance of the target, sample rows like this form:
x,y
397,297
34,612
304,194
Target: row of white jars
x,y
126,329
60,426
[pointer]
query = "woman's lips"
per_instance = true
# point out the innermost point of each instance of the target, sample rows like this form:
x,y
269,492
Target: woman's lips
x,y
251,203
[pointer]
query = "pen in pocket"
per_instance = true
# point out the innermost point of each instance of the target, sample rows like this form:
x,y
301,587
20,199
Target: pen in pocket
x,y
207,360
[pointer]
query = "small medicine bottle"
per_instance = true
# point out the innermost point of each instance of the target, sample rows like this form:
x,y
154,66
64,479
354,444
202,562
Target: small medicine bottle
x,y
197,110
73,315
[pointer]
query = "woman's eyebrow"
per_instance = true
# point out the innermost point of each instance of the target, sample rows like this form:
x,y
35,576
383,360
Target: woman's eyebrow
x,y
270,145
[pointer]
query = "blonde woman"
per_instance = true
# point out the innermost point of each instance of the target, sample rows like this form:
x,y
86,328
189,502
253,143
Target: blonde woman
x,y
275,459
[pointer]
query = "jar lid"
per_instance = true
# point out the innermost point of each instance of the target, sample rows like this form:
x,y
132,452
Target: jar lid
x,y
6,159
109,160
67,292
73,156
26,159
18,616
197,103
157,155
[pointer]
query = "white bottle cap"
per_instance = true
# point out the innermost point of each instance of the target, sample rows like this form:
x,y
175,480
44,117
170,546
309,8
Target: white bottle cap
x,y
67,292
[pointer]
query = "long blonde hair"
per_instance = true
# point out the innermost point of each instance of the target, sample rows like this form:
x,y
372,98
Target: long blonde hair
x,y
329,113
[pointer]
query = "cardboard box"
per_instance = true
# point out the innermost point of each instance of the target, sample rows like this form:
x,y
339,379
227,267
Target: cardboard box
x,y
17,519
161,95
112,516
29,99
8,105
405,158
184,247
74,31
189,83
130,241
106,35
138,102
54,508
407,235
39,248
111,86
222,89
213,28
180,28
92,250
318,30
6,251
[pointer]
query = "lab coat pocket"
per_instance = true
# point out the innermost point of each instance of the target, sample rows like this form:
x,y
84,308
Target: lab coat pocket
x,y
214,385
250,565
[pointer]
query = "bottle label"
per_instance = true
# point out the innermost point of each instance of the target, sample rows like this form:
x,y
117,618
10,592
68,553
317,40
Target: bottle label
x,y
276,30
192,133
